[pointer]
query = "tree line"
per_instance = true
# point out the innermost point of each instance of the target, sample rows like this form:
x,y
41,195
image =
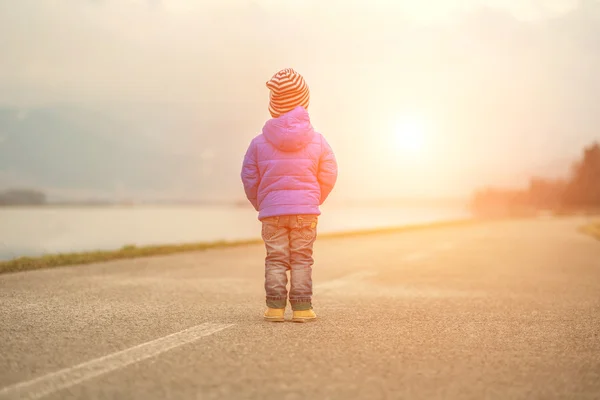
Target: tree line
x,y
22,197
580,192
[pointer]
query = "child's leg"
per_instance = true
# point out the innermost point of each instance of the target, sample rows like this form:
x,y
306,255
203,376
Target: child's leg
x,y
302,237
277,261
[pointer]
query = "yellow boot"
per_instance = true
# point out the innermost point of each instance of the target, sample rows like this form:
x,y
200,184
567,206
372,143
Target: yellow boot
x,y
304,316
274,314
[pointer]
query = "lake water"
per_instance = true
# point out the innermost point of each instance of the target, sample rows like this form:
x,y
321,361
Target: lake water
x,y
42,230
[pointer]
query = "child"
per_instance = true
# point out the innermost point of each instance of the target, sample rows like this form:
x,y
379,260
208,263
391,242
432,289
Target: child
x,y
288,172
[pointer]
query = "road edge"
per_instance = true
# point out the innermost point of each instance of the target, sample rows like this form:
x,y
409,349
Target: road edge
x,y
592,230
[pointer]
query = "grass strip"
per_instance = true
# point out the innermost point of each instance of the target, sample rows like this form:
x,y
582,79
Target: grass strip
x,y
592,229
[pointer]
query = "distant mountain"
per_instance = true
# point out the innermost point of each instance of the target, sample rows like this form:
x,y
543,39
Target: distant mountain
x,y
75,148
141,153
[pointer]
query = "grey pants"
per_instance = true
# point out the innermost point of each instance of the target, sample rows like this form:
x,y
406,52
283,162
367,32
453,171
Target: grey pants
x,y
289,242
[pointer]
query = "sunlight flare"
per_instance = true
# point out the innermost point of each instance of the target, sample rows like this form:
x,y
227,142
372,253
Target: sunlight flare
x,y
409,136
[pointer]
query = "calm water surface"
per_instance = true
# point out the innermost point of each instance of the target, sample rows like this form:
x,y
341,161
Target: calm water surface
x,y
42,230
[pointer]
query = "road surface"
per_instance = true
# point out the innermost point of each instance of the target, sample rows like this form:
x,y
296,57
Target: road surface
x,y
503,310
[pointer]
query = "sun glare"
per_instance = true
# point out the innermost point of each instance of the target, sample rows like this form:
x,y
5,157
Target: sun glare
x,y
410,136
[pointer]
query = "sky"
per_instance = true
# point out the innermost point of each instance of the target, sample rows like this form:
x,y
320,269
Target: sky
x,y
417,98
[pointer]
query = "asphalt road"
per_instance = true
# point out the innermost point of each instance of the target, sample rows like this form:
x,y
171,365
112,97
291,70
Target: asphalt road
x,y
503,310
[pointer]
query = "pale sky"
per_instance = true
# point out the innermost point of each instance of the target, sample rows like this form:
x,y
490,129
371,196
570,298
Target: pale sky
x,y
499,89
129,49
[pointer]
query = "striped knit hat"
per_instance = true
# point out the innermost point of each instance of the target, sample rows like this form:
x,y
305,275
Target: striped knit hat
x,y
288,91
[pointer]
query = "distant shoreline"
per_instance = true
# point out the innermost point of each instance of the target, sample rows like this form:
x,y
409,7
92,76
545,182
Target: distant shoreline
x,y
130,252
118,205
245,204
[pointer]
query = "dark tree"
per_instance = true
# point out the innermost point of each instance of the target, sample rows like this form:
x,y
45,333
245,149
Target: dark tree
x,y
22,197
546,194
583,190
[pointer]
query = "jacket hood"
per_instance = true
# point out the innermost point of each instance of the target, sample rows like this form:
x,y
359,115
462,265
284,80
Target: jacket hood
x,y
291,131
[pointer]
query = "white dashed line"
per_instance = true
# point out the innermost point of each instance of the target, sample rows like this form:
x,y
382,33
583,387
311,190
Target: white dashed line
x,y
415,257
48,384
446,246
344,281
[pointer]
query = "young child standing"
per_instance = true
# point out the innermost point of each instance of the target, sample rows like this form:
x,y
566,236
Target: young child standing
x,y
288,172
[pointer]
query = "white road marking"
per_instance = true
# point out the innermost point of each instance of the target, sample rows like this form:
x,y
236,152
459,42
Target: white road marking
x,y
47,384
446,246
357,284
418,256
344,281
415,257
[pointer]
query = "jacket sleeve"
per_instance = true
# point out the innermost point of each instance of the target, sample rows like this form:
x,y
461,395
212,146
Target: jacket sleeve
x,y
328,170
251,175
